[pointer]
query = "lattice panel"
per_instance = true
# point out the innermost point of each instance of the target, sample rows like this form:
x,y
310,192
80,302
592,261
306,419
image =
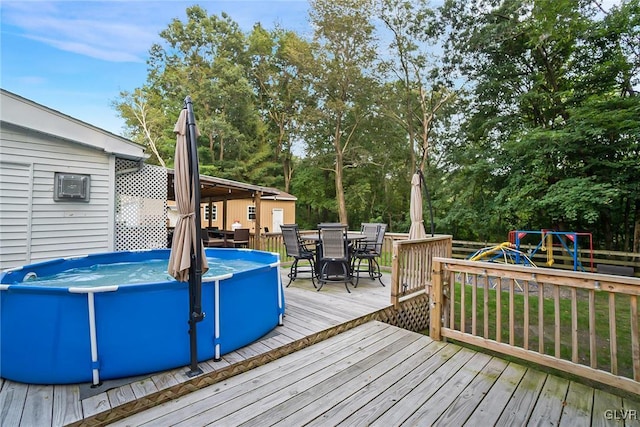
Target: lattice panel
x,y
413,314
141,206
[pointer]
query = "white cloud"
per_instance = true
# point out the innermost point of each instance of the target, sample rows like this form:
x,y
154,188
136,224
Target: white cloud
x,y
103,30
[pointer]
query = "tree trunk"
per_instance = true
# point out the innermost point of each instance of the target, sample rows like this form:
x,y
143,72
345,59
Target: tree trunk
x,y
342,206
212,151
636,229
337,142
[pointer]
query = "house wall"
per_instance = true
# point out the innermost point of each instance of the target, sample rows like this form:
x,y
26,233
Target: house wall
x,y
34,227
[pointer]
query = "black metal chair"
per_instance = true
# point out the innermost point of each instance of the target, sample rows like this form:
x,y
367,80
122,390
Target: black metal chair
x,y
297,250
369,250
334,255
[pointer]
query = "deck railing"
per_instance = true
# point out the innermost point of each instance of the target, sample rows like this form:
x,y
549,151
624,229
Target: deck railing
x,y
582,323
411,265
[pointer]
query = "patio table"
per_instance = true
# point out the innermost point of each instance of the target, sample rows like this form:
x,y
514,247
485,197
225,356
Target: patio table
x,y
352,236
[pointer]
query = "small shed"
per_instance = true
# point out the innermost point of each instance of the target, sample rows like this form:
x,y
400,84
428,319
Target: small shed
x,y
224,201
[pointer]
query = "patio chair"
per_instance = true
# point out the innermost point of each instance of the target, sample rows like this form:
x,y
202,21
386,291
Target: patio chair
x,y
369,251
370,230
297,250
210,242
240,238
334,256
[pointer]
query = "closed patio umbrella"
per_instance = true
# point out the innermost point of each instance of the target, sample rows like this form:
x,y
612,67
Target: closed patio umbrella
x,y
187,260
415,210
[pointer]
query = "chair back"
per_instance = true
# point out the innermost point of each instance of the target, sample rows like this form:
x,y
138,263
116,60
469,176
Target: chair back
x,y
370,230
333,240
204,235
382,228
329,224
291,238
241,235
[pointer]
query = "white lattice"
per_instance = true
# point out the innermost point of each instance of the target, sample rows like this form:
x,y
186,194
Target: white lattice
x,y
141,206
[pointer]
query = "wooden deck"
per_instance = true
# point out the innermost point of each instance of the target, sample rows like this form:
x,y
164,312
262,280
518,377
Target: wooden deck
x,y
377,374
329,364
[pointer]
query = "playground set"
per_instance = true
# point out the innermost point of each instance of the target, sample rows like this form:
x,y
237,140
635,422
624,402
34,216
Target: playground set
x,y
550,241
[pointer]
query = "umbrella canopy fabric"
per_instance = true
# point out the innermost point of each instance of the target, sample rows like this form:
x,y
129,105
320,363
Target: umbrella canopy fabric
x,y
415,209
184,237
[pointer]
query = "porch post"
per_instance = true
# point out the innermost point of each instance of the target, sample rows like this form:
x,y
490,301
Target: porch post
x,y
435,315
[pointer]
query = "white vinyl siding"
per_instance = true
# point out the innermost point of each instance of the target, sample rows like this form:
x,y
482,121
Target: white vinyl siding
x,y
15,205
56,228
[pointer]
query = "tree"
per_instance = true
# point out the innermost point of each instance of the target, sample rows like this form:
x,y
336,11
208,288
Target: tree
x,y
415,31
280,61
537,118
144,117
345,52
206,58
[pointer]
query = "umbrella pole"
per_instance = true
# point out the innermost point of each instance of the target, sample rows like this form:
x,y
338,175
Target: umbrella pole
x,y
195,271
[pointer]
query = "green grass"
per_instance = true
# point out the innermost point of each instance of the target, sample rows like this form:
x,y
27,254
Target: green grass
x,y
603,352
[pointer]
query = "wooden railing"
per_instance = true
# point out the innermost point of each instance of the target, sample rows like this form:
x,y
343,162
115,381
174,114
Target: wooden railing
x,y
582,323
411,265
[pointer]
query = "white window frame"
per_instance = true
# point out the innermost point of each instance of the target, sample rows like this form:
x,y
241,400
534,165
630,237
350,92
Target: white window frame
x,y
251,210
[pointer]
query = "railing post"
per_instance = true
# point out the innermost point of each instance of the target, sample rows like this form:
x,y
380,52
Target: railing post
x,y
395,277
435,315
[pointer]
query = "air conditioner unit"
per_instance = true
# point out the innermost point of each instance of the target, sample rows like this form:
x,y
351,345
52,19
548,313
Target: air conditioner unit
x,y
71,187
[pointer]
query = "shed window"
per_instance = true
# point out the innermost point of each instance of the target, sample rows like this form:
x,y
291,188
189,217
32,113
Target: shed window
x,y
214,213
251,213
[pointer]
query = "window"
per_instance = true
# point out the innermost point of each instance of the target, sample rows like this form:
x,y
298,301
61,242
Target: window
x,y
251,213
214,213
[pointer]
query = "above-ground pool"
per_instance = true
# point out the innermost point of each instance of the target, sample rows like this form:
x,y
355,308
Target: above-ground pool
x,y
59,333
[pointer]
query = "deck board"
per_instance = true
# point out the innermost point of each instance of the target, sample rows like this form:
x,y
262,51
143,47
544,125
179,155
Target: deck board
x,y
523,400
371,374
38,406
66,405
498,397
578,404
12,401
550,401
475,393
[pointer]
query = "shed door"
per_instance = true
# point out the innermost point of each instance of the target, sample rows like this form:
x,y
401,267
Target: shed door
x,y
277,216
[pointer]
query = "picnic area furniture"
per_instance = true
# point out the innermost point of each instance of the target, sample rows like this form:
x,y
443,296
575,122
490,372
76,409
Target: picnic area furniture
x,y
296,248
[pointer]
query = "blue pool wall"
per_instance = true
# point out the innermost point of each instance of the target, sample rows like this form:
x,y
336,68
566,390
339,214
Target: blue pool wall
x,y
140,329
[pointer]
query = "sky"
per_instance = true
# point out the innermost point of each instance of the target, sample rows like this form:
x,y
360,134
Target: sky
x,y
77,56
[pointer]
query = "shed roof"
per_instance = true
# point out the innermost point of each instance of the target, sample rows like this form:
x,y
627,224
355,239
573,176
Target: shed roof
x,y
217,189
